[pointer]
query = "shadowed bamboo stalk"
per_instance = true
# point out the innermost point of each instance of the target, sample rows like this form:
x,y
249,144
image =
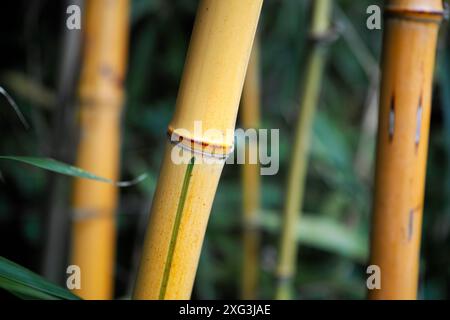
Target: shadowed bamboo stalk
x,y
62,148
409,49
299,158
250,118
101,98
210,91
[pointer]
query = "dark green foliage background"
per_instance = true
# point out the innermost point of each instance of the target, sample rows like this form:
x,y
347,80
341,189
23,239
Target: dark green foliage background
x,y
31,45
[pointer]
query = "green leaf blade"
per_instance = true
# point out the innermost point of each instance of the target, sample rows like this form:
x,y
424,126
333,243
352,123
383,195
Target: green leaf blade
x,y
27,285
57,166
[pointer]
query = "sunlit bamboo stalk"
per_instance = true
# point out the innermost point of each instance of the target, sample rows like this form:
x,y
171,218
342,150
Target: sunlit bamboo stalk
x,y
250,119
101,98
298,163
210,91
409,48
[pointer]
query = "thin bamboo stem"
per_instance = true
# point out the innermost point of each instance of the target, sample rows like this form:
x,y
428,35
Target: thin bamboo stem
x,y
101,98
250,118
299,158
210,91
409,49
63,122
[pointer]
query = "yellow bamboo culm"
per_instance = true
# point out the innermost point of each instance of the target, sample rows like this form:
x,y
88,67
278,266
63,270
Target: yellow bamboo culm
x,y
101,98
250,118
409,48
299,158
209,96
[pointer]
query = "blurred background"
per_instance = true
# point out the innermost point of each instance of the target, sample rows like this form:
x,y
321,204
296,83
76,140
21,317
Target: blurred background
x,y
35,48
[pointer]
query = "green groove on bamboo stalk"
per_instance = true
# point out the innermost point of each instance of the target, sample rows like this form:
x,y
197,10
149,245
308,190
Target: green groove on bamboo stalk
x,y
299,158
176,227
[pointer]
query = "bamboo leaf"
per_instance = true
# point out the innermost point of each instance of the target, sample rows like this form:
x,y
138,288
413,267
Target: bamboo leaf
x,y
56,166
323,233
15,107
26,284
69,170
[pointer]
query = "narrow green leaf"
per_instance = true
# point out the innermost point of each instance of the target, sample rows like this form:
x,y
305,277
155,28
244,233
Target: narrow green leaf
x,y
56,166
323,233
68,170
15,107
28,285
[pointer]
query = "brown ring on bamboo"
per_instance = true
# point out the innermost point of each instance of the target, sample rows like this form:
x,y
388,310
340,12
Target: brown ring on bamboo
x,y
204,148
420,15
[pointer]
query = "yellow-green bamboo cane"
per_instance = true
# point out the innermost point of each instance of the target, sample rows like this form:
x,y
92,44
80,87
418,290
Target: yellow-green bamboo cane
x,y
101,97
298,163
250,119
210,91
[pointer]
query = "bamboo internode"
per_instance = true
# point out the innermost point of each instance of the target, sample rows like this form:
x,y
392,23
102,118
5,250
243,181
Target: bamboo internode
x,y
101,98
210,91
409,49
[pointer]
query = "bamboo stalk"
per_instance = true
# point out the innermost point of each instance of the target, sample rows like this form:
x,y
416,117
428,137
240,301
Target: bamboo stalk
x,y
299,158
250,118
101,98
62,148
210,91
409,49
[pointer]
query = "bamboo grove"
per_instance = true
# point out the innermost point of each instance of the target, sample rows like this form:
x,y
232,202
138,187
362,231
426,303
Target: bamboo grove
x,y
223,83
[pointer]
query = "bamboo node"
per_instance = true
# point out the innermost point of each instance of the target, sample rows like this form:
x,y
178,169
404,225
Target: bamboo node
x,y
415,14
251,223
202,147
80,214
324,38
283,278
98,103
